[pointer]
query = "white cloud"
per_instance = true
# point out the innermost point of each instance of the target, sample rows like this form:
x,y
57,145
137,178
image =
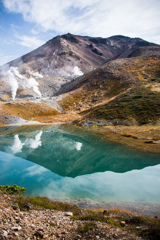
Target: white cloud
x,y
34,32
140,185
14,27
92,17
5,58
35,170
30,41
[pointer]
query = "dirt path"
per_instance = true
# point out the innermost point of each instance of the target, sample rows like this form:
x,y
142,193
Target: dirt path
x,y
111,99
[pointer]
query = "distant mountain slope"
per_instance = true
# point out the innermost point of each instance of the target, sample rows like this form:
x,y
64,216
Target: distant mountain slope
x,y
129,70
61,60
61,54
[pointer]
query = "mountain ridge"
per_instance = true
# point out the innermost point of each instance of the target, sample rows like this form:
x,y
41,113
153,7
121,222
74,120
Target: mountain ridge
x,y
113,47
63,58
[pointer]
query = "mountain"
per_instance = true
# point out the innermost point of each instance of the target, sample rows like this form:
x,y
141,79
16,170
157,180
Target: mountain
x,y
64,58
113,79
61,54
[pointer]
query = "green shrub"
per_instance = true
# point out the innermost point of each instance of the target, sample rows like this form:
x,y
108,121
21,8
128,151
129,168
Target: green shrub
x,y
138,96
86,227
44,203
12,189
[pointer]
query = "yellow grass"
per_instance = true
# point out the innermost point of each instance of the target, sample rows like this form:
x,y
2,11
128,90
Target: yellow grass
x,y
28,110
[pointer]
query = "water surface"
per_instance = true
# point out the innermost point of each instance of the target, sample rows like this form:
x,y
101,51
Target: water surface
x,y
66,163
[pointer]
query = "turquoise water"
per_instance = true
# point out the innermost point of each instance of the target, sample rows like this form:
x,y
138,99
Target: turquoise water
x,y
63,162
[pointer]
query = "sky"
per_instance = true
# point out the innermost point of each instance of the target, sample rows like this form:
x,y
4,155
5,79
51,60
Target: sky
x,y
27,24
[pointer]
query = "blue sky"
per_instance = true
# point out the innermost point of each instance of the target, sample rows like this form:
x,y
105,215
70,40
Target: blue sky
x,y
27,24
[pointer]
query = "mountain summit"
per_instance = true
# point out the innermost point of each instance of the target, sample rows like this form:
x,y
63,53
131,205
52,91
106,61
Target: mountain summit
x,y
60,60
60,55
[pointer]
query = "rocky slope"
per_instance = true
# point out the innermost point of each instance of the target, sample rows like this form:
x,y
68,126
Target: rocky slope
x,y
62,59
68,51
36,218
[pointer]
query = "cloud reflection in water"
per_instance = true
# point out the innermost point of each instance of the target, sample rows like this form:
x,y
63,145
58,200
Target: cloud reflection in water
x,y
30,142
78,146
34,143
18,145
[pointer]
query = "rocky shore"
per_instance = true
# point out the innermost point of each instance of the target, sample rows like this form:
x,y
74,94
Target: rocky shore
x,y
145,138
42,223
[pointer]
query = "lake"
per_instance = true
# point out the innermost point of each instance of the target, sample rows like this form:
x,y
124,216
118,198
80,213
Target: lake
x,y
69,164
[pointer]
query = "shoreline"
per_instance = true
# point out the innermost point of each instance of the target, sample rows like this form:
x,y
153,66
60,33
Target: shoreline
x,y
144,138
129,136
147,209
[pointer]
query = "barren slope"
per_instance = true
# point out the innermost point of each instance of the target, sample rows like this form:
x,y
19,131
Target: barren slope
x,y
69,50
65,57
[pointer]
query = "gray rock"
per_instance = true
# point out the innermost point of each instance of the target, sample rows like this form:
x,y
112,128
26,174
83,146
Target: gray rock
x,y
27,206
77,237
33,226
1,192
4,234
64,232
16,234
69,214
15,206
16,228
39,234
123,223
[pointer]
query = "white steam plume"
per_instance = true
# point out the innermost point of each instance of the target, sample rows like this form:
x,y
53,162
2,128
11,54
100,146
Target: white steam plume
x,y
68,72
19,81
77,72
36,74
31,83
13,82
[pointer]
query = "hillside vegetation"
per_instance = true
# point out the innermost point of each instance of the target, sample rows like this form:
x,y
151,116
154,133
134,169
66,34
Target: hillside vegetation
x,y
139,106
123,92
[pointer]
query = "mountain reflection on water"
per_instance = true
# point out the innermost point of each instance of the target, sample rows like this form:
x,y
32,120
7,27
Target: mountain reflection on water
x,y
66,163
71,152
